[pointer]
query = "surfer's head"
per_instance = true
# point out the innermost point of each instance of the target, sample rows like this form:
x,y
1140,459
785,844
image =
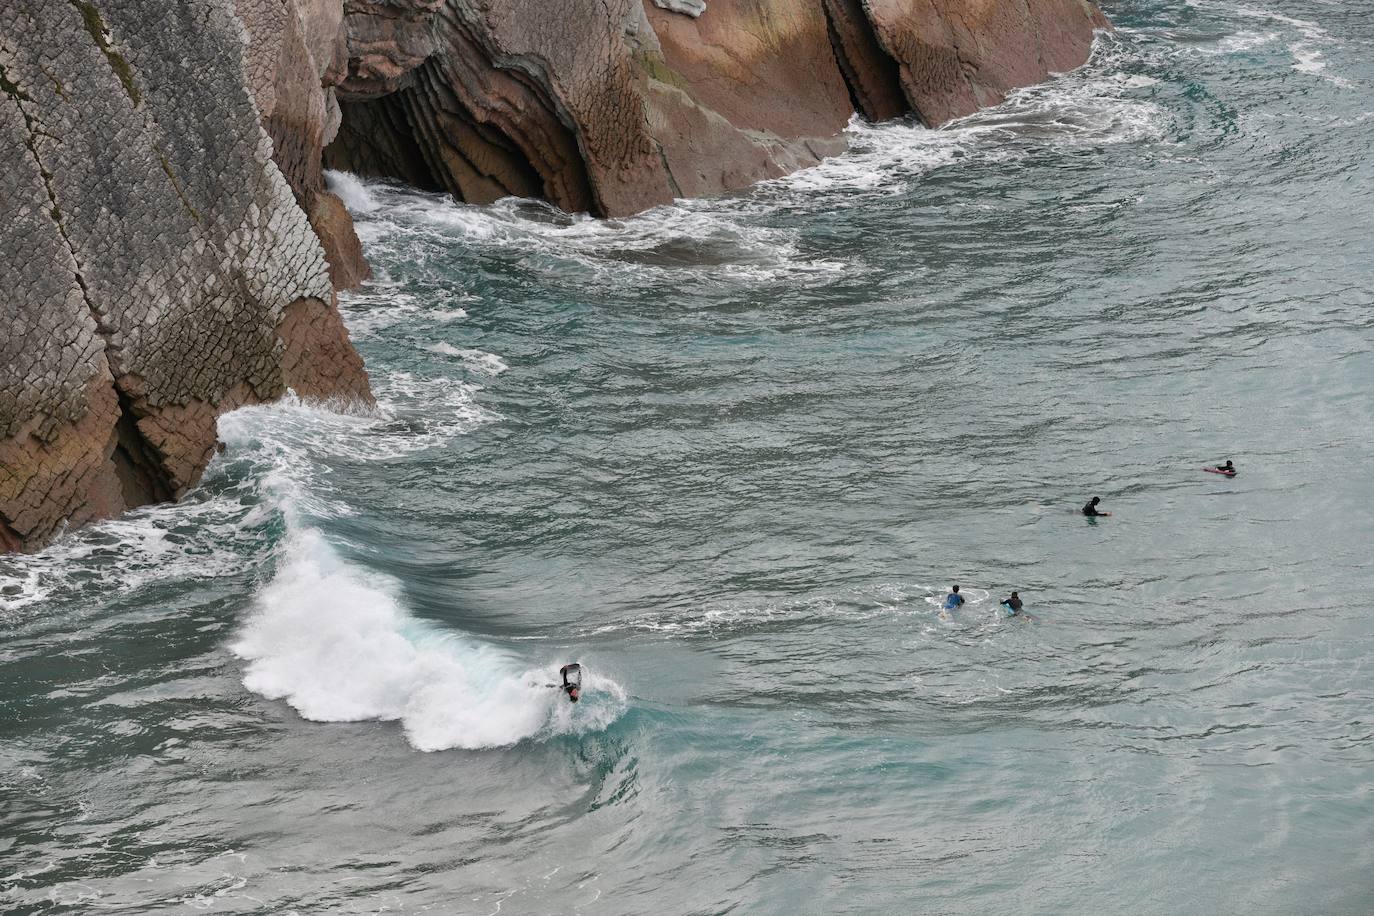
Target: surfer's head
x,y
955,588
1013,594
1096,500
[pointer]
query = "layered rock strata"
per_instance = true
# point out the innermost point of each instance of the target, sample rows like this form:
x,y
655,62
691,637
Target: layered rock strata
x,y
158,269
620,105
171,247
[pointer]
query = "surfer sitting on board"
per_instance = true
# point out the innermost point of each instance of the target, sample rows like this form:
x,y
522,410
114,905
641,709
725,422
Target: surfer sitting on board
x,y
953,599
1012,604
1090,509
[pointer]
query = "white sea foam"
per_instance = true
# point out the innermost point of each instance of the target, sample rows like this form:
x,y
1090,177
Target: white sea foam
x,y
1306,47
334,639
1092,106
335,642
477,360
201,538
412,414
381,303
353,191
702,237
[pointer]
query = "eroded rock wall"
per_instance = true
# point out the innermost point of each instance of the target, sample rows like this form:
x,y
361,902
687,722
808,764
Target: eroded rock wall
x,y
171,246
297,52
956,56
158,270
617,105
608,108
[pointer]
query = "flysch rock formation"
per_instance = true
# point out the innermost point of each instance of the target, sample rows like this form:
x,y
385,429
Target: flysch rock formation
x,y
172,249
157,267
618,105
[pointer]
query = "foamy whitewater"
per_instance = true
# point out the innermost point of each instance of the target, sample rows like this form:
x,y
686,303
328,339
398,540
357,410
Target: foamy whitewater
x,y
338,646
334,639
730,455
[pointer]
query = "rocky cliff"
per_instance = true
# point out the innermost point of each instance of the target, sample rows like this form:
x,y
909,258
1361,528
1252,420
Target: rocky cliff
x,y
171,247
158,269
615,106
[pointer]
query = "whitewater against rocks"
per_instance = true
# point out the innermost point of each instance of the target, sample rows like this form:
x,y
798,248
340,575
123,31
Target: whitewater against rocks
x,y
284,625
174,252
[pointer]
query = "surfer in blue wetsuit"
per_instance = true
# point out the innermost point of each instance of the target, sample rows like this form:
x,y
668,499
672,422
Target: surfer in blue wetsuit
x,y
1012,604
1091,510
953,599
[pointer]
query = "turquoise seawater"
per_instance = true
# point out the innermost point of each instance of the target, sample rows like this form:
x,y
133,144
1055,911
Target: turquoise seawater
x,y
729,454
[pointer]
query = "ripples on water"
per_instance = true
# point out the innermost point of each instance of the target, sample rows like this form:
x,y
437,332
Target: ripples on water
x,y
730,454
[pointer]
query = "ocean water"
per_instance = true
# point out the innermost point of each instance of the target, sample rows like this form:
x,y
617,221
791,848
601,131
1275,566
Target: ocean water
x,y
729,455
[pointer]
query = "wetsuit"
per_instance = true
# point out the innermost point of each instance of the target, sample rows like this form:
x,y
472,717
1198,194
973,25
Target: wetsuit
x,y
953,601
1013,605
1090,509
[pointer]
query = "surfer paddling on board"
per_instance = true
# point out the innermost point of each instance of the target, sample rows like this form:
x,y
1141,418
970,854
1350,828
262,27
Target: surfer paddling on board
x,y
1012,605
953,599
1090,509
572,681
1227,469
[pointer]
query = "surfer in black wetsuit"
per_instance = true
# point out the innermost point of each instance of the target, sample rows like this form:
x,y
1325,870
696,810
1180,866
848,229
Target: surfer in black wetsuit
x,y
1012,604
1227,468
1090,509
573,688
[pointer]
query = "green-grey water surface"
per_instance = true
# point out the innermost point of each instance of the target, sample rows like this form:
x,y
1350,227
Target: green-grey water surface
x,y
729,454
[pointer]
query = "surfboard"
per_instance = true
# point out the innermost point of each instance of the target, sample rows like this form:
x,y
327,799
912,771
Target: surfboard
x,y
1221,471
1010,613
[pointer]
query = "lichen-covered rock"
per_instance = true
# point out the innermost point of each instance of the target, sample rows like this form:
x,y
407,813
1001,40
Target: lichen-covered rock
x,y
158,270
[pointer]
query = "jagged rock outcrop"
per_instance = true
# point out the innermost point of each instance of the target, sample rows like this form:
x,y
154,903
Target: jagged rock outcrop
x,y
615,106
297,52
158,270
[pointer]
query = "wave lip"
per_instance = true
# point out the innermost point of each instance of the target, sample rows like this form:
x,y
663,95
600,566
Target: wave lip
x,y
336,644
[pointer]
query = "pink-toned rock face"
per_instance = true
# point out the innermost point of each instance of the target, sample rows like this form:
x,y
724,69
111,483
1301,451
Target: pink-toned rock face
x,y
622,105
748,90
956,56
387,39
760,64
